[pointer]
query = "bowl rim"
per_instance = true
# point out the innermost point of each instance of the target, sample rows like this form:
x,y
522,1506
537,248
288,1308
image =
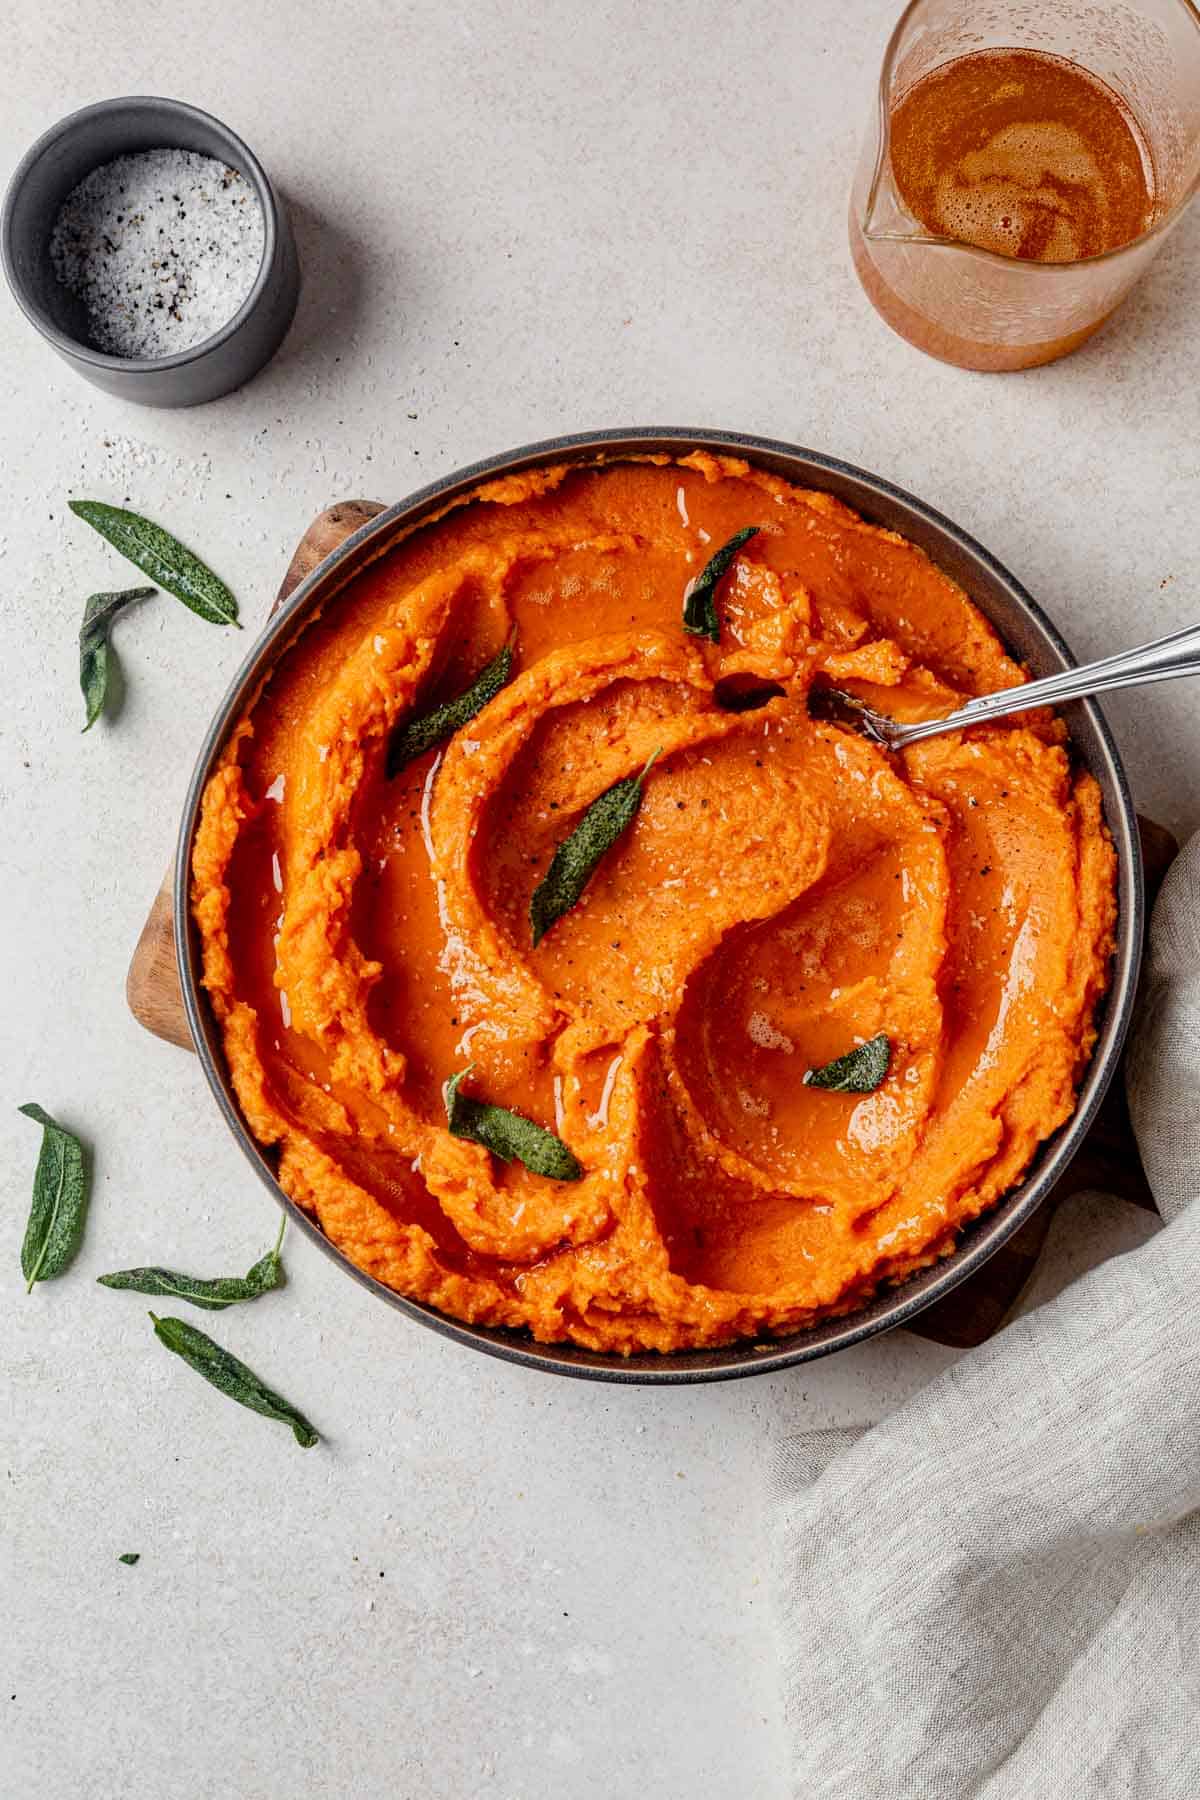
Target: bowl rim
x,y
893,1306
241,156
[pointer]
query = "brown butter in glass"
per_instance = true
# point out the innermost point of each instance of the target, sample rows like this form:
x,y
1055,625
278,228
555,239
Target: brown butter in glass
x,y
1024,154
1021,153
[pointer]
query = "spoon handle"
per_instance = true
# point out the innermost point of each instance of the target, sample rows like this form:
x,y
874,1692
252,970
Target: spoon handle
x,y
1164,660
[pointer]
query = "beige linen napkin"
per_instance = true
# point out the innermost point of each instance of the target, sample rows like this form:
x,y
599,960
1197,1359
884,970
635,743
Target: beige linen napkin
x,y
995,1593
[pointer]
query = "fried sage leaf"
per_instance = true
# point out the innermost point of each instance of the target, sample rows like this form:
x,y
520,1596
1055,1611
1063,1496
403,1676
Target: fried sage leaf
x,y
578,856
167,562
508,1134
860,1071
129,1557
98,616
213,1294
414,736
231,1376
700,600
59,1206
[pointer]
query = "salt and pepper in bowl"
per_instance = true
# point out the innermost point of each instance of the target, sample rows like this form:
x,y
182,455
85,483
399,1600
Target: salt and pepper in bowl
x,y
145,241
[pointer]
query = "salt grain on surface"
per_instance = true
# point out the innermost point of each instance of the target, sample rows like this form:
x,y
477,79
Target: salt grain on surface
x,y
162,247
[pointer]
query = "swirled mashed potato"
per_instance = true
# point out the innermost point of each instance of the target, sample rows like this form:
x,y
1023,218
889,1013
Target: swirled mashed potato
x,y
786,892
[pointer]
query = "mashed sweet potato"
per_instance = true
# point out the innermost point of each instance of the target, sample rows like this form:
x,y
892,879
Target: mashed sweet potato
x,y
786,892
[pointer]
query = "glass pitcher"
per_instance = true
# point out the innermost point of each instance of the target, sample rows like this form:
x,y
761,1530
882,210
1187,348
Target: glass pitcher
x,y
983,310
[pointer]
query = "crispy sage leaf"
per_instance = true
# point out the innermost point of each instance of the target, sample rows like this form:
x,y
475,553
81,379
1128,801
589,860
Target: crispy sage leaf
x,y
167,562
700,601
214,1294
860,1071
226,1372
98,616
508,1134
130,1557
414,736
60,1197
578,856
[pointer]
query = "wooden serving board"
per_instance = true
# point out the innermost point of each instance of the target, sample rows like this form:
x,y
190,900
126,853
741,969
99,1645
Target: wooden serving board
x,y
1108,1158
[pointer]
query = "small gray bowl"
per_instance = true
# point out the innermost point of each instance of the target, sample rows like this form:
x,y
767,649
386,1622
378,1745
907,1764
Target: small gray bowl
x,y
43,179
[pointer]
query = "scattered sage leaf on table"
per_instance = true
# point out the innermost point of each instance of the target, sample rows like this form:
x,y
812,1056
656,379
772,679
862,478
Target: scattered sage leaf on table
x,y
167,562
414,737
213,1294
700,600
59,1206
578,856
98,616
860,1071
508,1134
231,1376
130,1557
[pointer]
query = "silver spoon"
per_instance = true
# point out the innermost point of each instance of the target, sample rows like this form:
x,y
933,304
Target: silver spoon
x,y
1163,660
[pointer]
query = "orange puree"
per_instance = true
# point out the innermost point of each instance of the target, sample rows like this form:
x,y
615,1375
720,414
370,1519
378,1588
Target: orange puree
x,y
786,892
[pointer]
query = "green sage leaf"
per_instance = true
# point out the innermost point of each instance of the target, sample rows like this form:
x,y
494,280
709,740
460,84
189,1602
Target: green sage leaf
x,y
213,1294
94,652
860,1071
700,600
130,1557
59,1206
578,856
167,562
226,1372
508,1135
414,737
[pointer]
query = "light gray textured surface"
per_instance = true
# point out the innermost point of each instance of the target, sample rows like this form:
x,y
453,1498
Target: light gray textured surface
x,y
514,222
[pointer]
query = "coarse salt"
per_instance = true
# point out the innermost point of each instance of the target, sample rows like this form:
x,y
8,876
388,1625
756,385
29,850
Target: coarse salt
x,y
161,247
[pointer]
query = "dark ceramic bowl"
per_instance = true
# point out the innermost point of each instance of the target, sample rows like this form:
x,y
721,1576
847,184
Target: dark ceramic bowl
x,y
1027,633
43,179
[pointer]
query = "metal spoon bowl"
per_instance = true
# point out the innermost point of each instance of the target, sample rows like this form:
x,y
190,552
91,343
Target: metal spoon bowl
x,y
1165,659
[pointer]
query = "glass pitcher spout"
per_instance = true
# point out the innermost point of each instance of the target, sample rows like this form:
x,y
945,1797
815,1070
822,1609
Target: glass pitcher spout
x,y
886,219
